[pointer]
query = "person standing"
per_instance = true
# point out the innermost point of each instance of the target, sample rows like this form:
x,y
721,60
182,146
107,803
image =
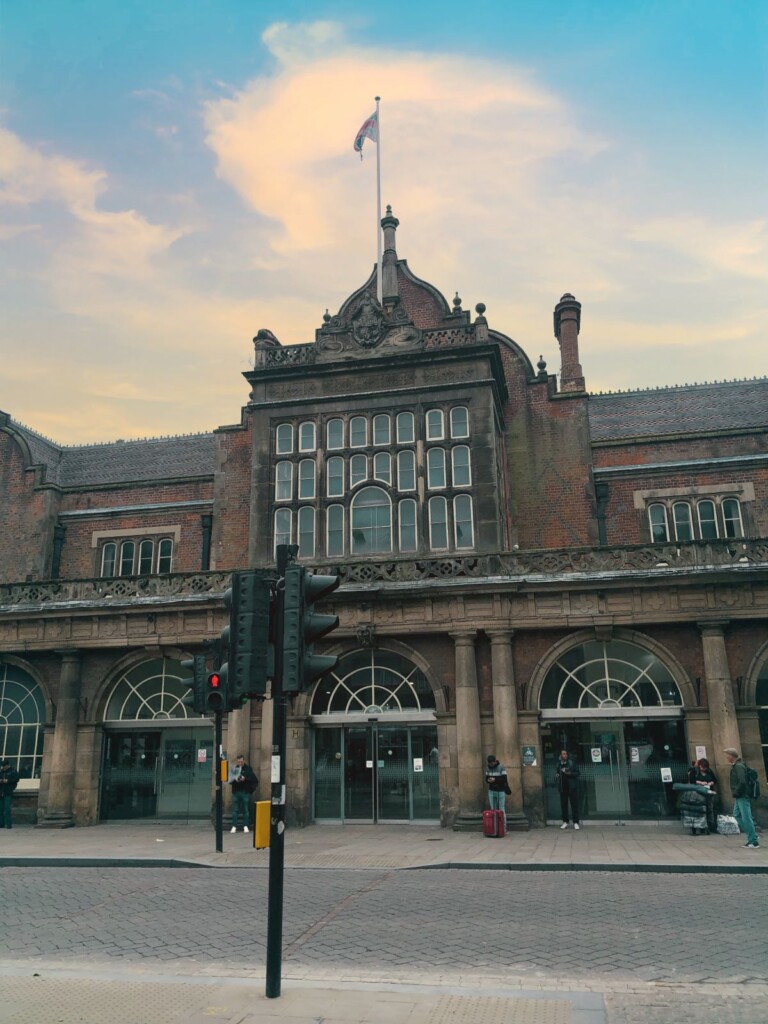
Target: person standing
x,y
742,808
243,783
9,780
567,778
496,780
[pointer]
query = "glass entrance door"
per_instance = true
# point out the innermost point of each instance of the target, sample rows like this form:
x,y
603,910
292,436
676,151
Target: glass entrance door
x,y
380,772
157,774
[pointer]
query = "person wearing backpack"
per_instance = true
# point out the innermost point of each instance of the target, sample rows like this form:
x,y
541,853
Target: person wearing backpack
x,y
740,790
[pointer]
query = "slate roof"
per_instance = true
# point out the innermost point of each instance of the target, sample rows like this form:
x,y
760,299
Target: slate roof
x,y
152,458
686,409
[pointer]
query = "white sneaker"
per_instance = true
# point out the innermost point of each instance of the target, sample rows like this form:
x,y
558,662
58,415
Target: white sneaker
x,y
233,829
577,826
564,825
246,829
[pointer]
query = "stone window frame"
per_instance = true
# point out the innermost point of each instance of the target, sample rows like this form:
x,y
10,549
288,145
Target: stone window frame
x,y
719,495
118,542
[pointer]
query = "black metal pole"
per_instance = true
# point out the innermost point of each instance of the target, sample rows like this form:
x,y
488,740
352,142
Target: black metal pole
x,y
219,793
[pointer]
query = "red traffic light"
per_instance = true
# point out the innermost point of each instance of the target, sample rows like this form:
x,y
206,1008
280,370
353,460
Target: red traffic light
x,y
214,680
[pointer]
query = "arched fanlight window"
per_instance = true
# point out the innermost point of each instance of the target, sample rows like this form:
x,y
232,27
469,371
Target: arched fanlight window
x,y
152,690
22,715
371,525
373,682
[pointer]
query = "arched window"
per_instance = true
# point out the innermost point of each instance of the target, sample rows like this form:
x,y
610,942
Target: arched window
x,y
283,522
358,432
283,481
435,468
306,479
307,532
108,559
334,544
22,715
127,554
406,511
371,524
358,470
463,525
153,690
373,682
459,421
335,434
761,699
438,524
657,517
382,467
435,425
381,429
707,520
335,477
405,428
284,439
406,471
732,518
146,551
165,555
609,674
307,437
681,513
461,471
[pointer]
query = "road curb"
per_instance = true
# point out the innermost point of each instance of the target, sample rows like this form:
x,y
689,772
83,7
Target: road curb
x,y
672,869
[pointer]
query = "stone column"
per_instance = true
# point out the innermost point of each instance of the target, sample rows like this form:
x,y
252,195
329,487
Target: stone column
x,y
61,786
469,751
505,725
722,710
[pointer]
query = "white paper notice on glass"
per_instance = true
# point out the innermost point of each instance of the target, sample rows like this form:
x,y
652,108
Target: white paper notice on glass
x,y
634,754
275,776
418,764
597,755
369,764
700,752
666,774
202,755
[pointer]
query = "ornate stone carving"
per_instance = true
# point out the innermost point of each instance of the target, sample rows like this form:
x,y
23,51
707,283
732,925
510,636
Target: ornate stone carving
x,y
366,634
368,323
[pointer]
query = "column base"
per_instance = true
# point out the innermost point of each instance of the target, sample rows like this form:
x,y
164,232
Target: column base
x,y
56,819
517,822
472,822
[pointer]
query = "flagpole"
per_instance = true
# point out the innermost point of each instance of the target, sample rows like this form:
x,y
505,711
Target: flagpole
x,y
379,286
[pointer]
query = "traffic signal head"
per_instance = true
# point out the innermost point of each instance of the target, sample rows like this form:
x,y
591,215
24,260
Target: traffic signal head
x,y
197,696
302,627
216,690
251,653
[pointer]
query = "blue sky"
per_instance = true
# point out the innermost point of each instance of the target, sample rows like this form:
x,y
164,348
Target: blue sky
x,y
175,175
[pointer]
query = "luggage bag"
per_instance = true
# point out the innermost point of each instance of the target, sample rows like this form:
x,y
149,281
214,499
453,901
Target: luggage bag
x,y
494,824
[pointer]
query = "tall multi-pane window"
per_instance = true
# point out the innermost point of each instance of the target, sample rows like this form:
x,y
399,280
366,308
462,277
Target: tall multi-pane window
x,y
407,521
406,471
460,466
335,476
435,468
284,442
127,553
358,432
382,467
334,545
381,429
165,555
462,521
681,513
459,421
657,517
358,470
108,559
405,428
438,524
732,518
307,437
335,434
146,551
283,522
306,479
707,514
371,525
306,532
283,481
435,425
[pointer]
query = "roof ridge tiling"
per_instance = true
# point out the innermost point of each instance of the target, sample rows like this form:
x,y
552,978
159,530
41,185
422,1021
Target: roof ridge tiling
x,y
136,440
36,433
677,387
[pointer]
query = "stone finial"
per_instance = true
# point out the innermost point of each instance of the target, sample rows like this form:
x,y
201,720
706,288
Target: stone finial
x,y
541,366
390,290
456,303
326,317
481,324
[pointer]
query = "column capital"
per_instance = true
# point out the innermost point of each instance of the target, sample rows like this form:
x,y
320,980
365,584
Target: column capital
x,y
716,628
464,638
500,636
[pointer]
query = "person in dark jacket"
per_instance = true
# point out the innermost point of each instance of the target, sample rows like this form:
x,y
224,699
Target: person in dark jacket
x,y
567,779
9,780
243,783
702,775
496,780
742,808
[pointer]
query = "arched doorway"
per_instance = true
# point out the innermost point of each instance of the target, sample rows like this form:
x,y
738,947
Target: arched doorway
x,y
375,741
22,714
158,755
616,707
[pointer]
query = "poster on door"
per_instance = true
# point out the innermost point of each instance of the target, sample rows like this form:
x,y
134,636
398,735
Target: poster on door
x,y
597,755
418,764
700,752
666,775
202,755
634,755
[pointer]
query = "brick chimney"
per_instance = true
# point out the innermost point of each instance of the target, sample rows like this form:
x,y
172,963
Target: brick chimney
x,y
567,324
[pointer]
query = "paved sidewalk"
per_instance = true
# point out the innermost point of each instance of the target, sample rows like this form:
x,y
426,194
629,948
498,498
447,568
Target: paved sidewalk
x,y
637,846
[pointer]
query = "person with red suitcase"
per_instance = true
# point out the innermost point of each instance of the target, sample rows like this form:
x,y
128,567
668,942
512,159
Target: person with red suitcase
x,y
495,820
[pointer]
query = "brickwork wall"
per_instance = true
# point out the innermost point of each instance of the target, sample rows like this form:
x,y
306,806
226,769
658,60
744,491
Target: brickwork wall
x,y
27,518
232,488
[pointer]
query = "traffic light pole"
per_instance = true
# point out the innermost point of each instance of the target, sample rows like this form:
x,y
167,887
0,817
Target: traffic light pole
x,y
219,794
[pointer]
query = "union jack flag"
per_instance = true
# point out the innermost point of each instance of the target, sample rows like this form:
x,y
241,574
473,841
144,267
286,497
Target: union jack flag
x,y
369,130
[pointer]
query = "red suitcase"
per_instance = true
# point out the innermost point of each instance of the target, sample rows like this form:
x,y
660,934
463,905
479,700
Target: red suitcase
x,y
494,824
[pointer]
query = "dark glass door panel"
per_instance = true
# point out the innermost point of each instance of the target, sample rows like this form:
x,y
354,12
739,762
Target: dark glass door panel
x,y
393,773
358,774
129,781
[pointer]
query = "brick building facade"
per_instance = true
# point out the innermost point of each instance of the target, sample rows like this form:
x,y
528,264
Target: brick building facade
x,y
525,566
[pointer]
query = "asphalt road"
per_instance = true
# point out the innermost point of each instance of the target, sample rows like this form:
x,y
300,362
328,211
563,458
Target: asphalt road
x,y
709,931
